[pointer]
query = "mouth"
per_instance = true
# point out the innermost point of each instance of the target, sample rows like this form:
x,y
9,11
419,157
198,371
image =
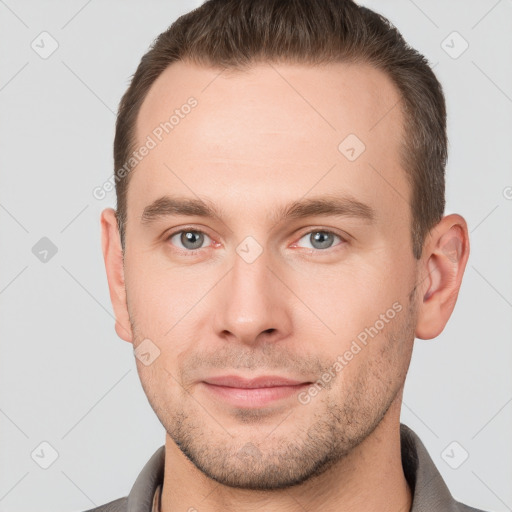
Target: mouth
x,y
257,392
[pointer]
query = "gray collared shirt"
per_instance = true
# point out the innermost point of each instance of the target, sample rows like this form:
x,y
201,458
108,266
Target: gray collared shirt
x,y
430,493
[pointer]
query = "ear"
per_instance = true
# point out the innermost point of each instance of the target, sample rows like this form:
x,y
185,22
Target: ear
x,y
113,256
446,253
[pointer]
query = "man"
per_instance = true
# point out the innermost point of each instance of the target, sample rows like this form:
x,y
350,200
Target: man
x,y
279,242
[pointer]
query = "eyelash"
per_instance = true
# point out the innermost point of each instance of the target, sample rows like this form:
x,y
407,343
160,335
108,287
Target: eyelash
x,y
193,252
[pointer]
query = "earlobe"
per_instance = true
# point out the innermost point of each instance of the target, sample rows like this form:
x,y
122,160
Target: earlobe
x,y
445,259
113,258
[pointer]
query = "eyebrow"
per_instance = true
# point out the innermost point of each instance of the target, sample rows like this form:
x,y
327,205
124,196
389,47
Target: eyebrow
x,y
338,206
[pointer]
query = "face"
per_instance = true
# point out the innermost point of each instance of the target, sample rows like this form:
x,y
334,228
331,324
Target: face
x,y
323,295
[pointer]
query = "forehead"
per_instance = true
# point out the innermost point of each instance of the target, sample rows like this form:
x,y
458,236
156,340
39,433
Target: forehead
x,y
335,98
271,130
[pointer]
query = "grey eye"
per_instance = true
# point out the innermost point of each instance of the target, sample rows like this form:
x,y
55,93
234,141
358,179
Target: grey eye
x,y
189,239
320,239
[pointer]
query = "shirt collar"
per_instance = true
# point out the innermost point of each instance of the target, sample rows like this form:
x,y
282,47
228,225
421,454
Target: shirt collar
x,y
428,488
157,499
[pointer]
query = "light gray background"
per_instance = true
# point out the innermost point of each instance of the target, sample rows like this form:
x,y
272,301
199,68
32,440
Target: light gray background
x,y
67,379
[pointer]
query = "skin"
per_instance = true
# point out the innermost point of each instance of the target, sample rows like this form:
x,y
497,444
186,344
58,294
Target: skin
x,y
257,140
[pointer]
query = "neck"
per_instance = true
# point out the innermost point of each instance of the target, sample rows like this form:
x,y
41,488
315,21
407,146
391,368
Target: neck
x,y
370,477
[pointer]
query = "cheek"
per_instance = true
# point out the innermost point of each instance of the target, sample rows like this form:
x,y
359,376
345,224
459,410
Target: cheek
x,y
164,309
357,309
347,296
157,299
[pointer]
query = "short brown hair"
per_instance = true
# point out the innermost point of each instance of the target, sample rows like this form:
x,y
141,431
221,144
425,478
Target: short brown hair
x,y
234,34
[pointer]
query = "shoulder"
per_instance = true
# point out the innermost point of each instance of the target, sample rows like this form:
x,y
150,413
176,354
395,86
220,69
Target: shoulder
x,y
119,505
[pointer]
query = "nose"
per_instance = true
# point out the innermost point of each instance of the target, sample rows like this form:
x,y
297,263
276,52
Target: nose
x,y
252,303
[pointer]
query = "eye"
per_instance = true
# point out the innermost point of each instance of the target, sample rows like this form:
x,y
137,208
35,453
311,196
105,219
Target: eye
x,y
190,239
320,239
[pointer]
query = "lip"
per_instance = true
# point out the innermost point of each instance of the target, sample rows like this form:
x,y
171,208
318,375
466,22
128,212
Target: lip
x,y
252,393
264,381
